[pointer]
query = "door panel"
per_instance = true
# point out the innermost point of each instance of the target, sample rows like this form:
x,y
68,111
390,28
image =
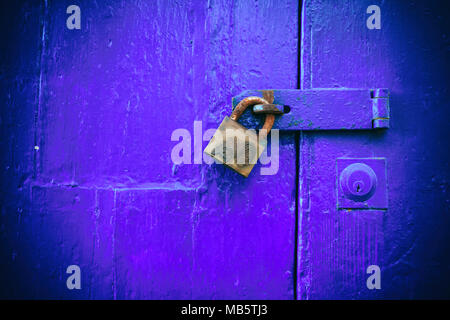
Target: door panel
x,y
109,97
337,246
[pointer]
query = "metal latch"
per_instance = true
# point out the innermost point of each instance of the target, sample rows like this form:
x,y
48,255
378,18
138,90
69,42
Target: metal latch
x,y
324,109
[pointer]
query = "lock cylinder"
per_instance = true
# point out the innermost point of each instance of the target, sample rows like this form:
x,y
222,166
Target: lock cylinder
x,y
358,182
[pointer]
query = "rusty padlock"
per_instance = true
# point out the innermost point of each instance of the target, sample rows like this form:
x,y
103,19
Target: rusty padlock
x,y
236,146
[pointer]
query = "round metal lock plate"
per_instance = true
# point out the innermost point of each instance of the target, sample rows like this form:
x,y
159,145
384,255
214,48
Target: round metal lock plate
x,y
358,182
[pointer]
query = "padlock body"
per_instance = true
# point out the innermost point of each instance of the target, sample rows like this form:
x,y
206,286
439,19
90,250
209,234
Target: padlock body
x,y
235,146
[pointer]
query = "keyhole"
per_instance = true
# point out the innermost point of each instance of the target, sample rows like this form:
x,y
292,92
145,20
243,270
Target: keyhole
x,y
358,186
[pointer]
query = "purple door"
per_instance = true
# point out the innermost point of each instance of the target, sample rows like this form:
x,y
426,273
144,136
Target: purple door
x,y
89,129
402,227
102,191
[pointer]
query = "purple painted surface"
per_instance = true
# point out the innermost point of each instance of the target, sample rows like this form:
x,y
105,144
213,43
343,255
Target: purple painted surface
x,y
107,99
87,179
71,226
409,241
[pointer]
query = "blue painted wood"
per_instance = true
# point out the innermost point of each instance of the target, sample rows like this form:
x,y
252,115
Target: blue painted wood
x,y
86,175
108,98
408,240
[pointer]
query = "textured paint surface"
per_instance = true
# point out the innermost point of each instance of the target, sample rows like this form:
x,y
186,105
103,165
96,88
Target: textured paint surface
x,y
409,241
86,176
101,191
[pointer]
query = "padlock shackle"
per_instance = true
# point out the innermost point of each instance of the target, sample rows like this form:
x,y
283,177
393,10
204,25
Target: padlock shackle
x,y
250,101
